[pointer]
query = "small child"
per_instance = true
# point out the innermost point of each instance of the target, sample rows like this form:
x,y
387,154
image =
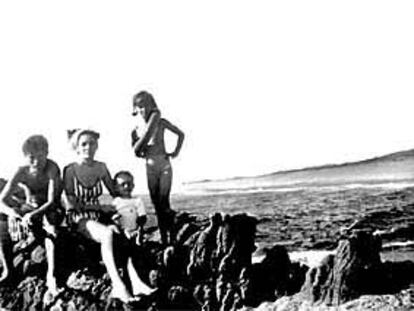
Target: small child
x,y
40,212
130,211
130,217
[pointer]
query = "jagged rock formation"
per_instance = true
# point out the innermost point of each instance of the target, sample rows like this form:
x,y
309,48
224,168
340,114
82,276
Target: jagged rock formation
x,y
352,272
209,267
275,276
202,270
355,270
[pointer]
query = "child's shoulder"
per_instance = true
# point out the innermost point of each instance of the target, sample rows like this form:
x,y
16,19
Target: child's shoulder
x,y
117,200
137,200
164,121
21,171
68,168
52,166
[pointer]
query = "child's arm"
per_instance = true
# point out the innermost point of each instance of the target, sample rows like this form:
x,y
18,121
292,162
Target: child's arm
x,y
107,180
6,193
141,220
109,184
71,201
150,127
180,135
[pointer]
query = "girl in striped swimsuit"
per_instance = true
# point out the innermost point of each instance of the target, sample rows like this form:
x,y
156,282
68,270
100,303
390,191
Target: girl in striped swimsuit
x,y
83,186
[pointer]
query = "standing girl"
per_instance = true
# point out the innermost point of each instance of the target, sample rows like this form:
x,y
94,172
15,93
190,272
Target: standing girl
x,y
149,144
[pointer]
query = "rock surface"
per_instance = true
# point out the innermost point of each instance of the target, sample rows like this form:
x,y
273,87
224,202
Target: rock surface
x,y
355,270
200,270
209,267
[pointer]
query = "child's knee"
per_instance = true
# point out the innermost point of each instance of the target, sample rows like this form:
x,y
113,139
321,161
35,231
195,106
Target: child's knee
x,y
107,234
51,231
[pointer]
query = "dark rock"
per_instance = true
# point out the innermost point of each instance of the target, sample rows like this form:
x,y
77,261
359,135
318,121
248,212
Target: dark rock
x,y
397,276
201,262
317,279
297,277
205,259
206,297
28,296
267,280
231,299
181,298
355,270
235,244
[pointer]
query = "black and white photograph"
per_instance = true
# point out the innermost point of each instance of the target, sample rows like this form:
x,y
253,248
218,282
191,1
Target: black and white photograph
x,y
206,155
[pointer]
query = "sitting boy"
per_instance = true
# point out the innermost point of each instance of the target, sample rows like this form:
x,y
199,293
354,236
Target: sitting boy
x,y
39,213
130,211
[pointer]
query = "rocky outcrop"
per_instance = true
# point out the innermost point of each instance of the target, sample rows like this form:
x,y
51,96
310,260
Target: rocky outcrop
x,y
199,271
209,267
355,270
275,276
352,272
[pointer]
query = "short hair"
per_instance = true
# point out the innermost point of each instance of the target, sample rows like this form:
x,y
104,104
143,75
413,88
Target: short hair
x,y
75,134
35,143
147,99
123,173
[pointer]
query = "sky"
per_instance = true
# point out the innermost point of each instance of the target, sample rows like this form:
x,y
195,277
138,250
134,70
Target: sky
x,y
257,86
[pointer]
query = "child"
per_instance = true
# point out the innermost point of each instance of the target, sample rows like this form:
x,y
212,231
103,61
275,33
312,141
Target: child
x,y
149,144
131,215
41,212
83,181
130,218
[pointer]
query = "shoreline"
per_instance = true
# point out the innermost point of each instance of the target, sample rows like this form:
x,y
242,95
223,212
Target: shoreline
x,y
393,251
384,185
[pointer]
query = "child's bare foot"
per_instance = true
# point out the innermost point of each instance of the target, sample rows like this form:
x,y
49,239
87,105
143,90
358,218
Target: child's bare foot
x,y
51,284
52,290
50,296
138,286
121,293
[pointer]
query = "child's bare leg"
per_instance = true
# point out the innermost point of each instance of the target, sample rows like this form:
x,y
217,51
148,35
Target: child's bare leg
x,y
104,235
153,179
50,256
165,183
5,258
164,207
5,251
140,235
50,276
138,286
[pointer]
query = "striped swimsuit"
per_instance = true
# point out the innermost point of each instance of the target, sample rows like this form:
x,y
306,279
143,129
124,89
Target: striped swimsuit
x,y
86,196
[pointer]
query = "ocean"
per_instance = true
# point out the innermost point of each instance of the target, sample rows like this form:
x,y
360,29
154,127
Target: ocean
x,y
309,219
